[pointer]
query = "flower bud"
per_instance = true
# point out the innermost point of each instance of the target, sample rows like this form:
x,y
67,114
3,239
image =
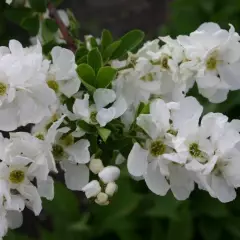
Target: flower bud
x,y
96,166
109,174
111,188
92,189
102,199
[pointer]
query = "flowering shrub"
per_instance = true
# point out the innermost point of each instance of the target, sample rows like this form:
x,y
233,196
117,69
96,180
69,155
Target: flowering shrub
x,y
98,105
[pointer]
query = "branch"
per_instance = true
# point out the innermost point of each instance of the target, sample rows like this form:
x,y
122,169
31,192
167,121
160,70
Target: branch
x,y
54,14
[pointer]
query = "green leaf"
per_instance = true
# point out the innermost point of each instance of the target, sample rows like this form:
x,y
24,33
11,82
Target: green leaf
x,y
82,60
86,127
17,15
110,50
31,24
81,52
104,133
105,76
106,39
38,5
87,75
49,28
128,42
95,59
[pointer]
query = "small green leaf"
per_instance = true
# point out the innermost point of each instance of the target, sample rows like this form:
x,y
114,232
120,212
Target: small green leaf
x,y
81,52
86,127
104,133
38,5
31,24
56,2
95,59
110,50
49,28
82,60
17,15
105,76
106,39
129,41
87,75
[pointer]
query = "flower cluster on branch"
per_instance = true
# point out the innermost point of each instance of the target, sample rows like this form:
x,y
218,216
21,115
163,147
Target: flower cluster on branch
x,y
108,104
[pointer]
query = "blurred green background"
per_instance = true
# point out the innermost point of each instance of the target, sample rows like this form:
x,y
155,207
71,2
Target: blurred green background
x,y
135,213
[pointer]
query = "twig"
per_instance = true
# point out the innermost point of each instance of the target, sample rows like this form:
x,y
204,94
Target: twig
x,y
54,14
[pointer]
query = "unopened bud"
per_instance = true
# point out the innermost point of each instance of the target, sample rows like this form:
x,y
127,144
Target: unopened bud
x,y
109,174
96,166
92,189
111,188
102,199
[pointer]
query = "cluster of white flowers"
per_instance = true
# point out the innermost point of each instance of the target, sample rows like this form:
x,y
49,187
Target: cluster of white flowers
x,y
178,152
174,146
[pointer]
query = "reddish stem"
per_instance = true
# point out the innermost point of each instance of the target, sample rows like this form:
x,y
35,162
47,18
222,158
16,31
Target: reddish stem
x,y
54,14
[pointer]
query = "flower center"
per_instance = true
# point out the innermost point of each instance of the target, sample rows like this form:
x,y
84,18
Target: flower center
x,y
194,150
53,85
148,77
157,148
93,116
172,132
212,61
68,140
57,150
3,89
16,176
40,136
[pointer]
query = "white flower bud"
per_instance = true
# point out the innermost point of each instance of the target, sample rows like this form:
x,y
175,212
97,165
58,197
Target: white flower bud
x,y
111,188
102,199
96,166
120,159
92,189
109,174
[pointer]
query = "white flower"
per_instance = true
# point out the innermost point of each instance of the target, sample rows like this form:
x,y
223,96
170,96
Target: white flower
x,y
25,97
96,165
9,1
111,188
97,113
62,75
109,174
92,189
213,53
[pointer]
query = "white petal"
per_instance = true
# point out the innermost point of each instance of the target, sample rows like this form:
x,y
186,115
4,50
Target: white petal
x,y
137,161
8,118
146,122
76,176
33,198
109,174
181,183
70,87
208,81
155,181
79,151
120,106
102,97
209,27
224,192
46,188
15,204
81,107
160,113
105,116
64,17
15,219
16,48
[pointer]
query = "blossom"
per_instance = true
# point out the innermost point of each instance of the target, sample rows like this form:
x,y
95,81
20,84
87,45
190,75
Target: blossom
x,y
213,54
97,112
25,97
62,77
